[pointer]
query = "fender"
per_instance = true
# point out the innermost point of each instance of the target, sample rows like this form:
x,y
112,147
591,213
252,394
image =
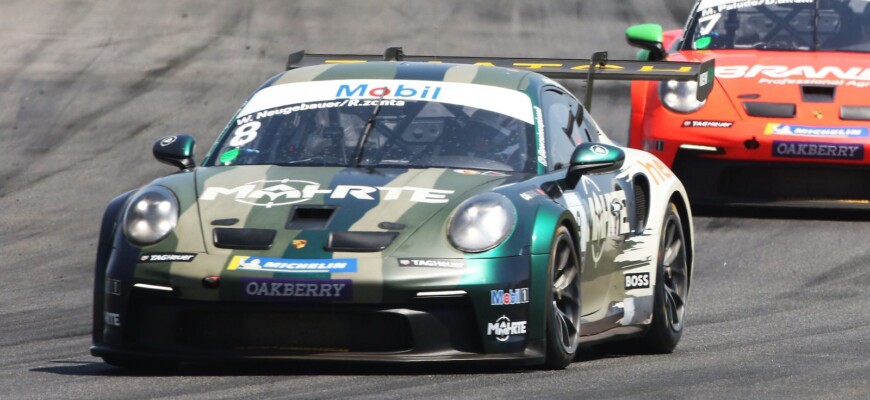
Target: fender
x,y
548,217
104,251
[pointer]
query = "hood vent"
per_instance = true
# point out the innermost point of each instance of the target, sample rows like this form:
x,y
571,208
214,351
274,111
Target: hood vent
x,y
855,113
770,110
361,242
244,238
314,218
817,94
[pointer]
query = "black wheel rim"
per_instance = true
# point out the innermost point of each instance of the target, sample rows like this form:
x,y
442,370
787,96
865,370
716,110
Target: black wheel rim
x,y
674,273
566,296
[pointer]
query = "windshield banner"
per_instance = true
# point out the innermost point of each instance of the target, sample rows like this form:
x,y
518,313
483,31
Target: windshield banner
x,y
392,93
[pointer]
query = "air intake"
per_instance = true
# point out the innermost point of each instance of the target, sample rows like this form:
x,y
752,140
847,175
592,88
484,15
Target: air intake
x,y
310,217
244,238
360,241
770,110
818,94
855,113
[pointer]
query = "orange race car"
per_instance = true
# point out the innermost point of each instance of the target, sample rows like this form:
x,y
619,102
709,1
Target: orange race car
x,y
788,119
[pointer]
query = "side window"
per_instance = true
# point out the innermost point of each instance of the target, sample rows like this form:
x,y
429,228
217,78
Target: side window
x,y
562,131
589,128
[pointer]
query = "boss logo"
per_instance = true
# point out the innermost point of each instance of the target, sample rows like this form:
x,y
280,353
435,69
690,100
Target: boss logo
x,y
637,281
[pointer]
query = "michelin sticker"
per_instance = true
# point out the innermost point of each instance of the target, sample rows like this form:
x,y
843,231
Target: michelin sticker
x,y
251,263
818,131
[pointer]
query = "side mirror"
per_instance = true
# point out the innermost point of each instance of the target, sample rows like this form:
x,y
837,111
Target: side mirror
x,y
648,37
175,150
593,157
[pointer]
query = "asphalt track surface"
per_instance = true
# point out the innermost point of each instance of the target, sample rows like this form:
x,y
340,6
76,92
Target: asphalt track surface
x,y
779,306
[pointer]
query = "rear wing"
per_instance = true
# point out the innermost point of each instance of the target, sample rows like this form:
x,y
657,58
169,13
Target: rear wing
x,y
598,67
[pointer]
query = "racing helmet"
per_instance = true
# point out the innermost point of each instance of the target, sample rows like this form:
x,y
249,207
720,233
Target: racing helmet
x,y
488,129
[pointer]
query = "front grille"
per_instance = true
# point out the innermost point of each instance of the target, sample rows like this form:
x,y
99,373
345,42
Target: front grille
x,y
711,180
162,323
294,330
810,182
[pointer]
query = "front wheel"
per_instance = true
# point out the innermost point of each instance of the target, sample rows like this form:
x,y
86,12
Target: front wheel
x,y
671,288
563,309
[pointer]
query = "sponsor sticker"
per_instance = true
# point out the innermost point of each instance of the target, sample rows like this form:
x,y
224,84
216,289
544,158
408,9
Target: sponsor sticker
x,y
693,123
112,319
271,193
432,262
510,296
608,214
297,289
166,257
168,140
834,151
282,99
113,286
637,280
600,150
503,328
725,5
798,75
817,131
251,263
531,194
542,144
484,173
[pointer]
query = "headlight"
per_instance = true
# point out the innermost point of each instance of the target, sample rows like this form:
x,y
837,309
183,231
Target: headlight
x,y
151,214
481,223
680,96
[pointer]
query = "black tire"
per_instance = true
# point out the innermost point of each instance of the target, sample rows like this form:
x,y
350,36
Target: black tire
x,y
563,308
671,288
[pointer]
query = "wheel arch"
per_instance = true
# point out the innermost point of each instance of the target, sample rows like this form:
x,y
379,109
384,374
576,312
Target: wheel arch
x,y
549,216
679,200
104,252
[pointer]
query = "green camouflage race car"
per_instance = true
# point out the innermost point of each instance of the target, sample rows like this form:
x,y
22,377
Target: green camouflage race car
x,y
401,208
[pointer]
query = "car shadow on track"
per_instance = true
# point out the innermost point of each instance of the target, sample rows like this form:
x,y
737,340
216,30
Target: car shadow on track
x,y
318,368
793,213
275,368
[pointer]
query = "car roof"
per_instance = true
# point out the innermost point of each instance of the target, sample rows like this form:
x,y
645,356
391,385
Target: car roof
x,y
523,81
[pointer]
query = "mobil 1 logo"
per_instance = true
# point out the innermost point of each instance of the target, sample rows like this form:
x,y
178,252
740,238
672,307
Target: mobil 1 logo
x,y
637,281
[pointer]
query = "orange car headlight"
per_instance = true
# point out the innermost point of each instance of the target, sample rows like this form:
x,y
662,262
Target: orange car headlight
x,y
680,96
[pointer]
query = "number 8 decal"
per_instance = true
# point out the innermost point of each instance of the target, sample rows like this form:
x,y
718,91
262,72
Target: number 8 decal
x,y
245,134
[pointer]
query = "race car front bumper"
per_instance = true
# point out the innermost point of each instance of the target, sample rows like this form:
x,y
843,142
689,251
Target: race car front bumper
x,y
723,181
437,322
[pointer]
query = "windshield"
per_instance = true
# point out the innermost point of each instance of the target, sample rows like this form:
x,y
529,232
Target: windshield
x,y
409,124
803,25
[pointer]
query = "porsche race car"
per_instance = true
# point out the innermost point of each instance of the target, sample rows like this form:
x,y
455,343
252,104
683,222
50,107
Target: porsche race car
x,y
788,120
400,208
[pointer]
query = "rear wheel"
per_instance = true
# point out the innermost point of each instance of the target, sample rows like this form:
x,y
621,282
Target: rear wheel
x,y
671,288
563,310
